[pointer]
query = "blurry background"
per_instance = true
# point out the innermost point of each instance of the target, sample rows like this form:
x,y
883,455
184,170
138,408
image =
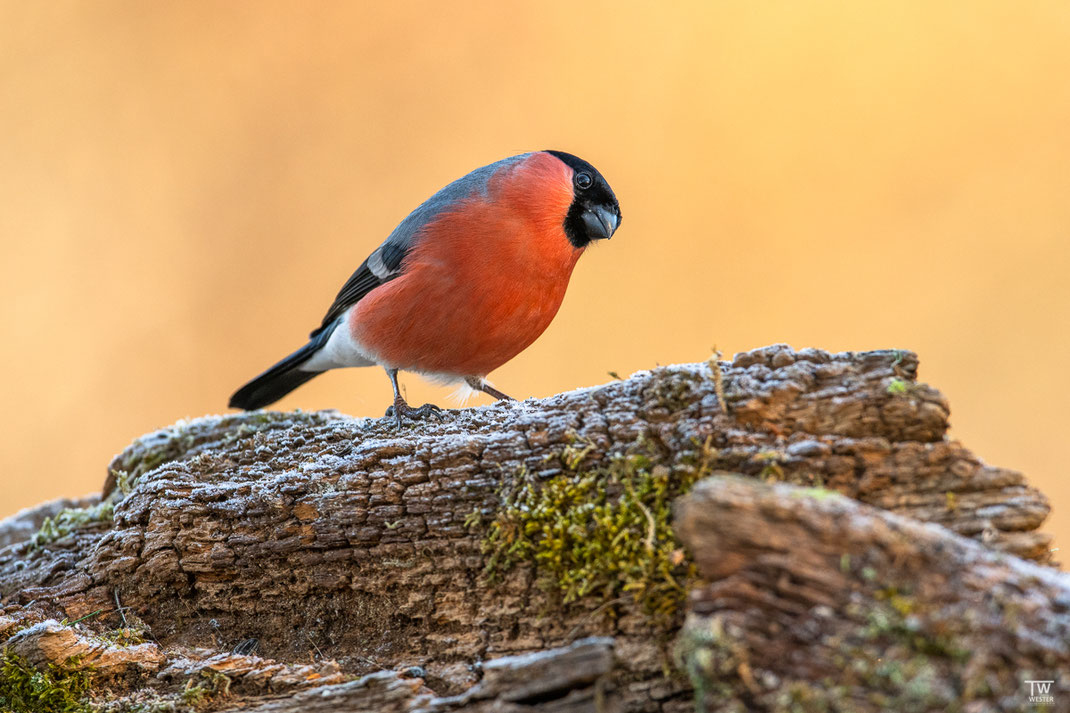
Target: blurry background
x,y
185,186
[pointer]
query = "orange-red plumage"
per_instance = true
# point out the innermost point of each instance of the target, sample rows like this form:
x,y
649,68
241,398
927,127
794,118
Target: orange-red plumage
x,y
483,282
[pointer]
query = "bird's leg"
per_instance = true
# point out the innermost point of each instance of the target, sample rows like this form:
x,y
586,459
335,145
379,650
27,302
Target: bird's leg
x,y
481,385
401,409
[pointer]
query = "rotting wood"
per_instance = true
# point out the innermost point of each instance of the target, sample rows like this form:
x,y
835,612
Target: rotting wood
x,y
829,604
316,535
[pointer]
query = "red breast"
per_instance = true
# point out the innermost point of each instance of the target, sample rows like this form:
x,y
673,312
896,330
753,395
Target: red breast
x,y
484,280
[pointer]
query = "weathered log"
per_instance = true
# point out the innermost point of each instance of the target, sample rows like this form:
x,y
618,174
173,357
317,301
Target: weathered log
x,y
442,545
564,680
822,603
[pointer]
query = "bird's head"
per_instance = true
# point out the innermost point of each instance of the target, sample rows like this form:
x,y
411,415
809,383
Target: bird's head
x,y
595,212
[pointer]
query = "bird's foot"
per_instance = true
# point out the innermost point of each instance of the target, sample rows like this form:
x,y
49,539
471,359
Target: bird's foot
x,y
401,410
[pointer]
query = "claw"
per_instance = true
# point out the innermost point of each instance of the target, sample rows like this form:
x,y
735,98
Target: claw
x,y
401,410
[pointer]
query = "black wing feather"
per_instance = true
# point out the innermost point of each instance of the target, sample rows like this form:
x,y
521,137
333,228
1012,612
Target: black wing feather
x,y
363,281
356,287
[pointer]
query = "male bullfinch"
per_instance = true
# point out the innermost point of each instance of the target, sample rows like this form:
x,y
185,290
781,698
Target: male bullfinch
x,y
465,283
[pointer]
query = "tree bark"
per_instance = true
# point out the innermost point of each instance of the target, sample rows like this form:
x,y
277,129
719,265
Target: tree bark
x,y
348,543
838,606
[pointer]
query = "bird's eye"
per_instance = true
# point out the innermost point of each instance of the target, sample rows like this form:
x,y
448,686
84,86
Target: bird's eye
x,y
584,180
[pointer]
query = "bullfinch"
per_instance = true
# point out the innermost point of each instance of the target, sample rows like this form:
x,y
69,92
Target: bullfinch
x,y
465,283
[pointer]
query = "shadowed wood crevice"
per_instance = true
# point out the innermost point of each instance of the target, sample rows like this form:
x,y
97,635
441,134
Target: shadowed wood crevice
x,y
323,536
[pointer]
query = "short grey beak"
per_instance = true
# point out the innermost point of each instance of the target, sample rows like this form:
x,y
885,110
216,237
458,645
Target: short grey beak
x,y
601,222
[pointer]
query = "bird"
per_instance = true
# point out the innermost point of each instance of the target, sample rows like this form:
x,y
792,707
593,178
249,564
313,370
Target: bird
x,y
462,285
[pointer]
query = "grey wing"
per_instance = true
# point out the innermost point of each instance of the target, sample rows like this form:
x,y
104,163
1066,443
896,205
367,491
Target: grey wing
x,y
387,261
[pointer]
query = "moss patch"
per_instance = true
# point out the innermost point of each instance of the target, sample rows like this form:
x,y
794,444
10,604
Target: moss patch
x,y
898,387
601,532
205,690
59,689
893,619
70,520
712,661
771,460
125,636
672,390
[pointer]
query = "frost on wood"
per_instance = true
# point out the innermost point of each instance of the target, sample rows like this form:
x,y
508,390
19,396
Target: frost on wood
x,y
320,538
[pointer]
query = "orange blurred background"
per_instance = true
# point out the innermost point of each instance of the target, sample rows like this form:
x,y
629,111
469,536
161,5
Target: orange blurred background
x,y
185,186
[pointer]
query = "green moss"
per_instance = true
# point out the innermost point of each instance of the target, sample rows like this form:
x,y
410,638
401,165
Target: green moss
x,y
672,390
70,520
718,666
59,689
125,636
205,689
905,663
473,520
194,696
893,620
845,562
817,493
886,660
712,661
897,387
600,532
157,704
770,462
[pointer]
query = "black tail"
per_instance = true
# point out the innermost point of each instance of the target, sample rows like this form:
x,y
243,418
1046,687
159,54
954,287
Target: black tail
x,y
280,379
